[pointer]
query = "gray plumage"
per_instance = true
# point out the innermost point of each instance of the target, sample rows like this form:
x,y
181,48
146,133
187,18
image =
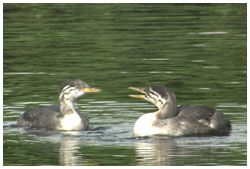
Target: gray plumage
x,y
63,116
177,121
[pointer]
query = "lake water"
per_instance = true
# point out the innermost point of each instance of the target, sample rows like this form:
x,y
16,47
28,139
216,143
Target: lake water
x,y
197,50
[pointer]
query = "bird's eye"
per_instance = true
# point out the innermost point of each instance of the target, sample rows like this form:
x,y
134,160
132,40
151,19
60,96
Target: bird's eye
x,y
77,87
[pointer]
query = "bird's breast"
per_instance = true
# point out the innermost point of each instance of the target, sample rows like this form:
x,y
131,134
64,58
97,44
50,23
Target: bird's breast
x,y
144,125
71,121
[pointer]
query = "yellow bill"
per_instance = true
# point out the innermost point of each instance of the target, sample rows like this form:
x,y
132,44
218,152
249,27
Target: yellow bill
x,y
91,90
138,96
137,89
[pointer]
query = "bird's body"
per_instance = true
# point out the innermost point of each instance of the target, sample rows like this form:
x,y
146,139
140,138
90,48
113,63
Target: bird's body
x,y
63,116
175,120
51,118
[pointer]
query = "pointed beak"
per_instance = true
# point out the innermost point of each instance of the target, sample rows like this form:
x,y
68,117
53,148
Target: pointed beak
x,y
139,90
91,90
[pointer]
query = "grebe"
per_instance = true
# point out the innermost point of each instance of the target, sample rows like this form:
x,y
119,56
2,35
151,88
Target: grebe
x,y
175,120
63,116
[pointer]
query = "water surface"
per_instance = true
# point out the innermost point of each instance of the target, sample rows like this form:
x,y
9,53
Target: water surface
x,y
197,50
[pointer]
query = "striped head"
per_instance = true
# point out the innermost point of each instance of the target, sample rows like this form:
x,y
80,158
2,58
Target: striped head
x,y
72,89
158,95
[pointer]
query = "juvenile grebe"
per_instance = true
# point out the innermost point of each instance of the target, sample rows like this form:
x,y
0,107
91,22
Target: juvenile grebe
x,y
63,116
177,121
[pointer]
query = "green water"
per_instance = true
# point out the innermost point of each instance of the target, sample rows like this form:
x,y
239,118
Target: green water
x,y
197,50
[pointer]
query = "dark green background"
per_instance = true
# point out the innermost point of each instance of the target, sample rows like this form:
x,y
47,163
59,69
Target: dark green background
x,y
197,50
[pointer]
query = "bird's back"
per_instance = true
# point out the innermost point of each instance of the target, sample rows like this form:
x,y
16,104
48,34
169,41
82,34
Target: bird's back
x,y
45,117
195,112
203,119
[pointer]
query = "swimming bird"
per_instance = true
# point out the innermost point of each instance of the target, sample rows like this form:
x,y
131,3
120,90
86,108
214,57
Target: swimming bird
x,y
175,120
63,116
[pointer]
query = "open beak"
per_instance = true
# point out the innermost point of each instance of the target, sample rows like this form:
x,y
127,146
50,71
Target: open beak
x,y
91,90
139,90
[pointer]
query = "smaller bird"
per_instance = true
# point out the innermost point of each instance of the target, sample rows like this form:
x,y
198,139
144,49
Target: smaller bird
x,y
63,116
175,120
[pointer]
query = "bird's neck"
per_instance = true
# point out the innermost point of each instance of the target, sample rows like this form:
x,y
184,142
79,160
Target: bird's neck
x,y
168,110
67,106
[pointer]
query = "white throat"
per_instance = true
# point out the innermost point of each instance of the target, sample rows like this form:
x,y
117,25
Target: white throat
x,y
144,125
71,122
